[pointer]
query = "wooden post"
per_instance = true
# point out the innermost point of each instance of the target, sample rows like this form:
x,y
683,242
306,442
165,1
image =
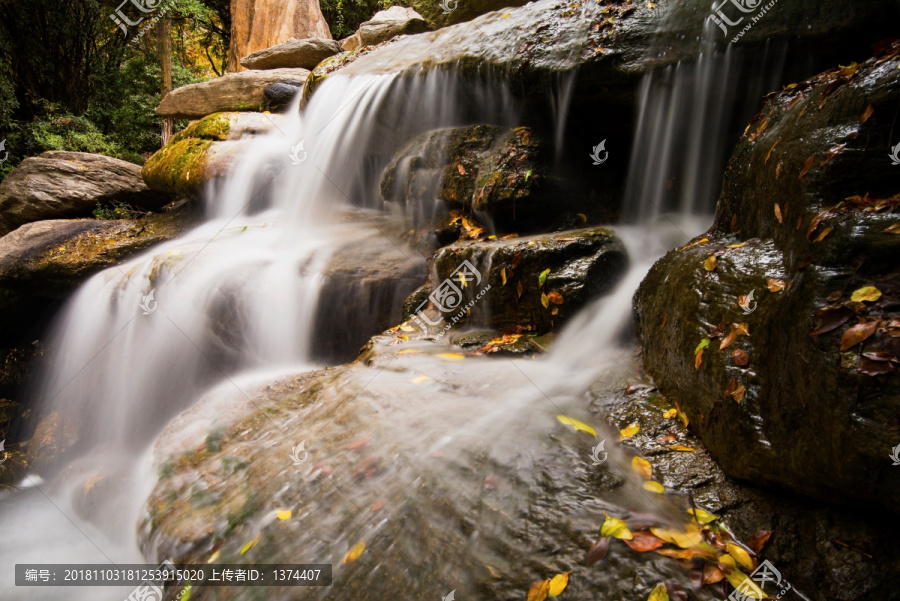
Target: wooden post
x,y
164,52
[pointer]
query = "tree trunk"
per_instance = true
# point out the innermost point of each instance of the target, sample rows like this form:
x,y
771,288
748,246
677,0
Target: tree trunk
x,y
164,52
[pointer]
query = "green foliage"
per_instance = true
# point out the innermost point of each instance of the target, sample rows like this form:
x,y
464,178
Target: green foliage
x,y
116,211
344,16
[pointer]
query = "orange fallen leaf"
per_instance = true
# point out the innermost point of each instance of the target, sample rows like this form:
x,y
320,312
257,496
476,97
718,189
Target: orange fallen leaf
x,y
642,466
539,591
462,170
354,553
858,333
778,213
806,166
555,297
868,113
644,542
775,285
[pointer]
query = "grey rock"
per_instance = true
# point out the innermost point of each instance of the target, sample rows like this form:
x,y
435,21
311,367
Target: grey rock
x,y
305,54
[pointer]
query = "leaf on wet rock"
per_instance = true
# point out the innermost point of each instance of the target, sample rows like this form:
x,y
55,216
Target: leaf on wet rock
x,y
778,215
452,356
778,169
870,110
830,318
354,553
823,233
737,329
642,466
545,301
654,486
682,448
519,290
712,574
740,556
775,285
693,244
698,359
702,516
683,540
866,294
555,297
710,263
630,431
671,413
285,514
737,391
597,552
659,593
893,229
740,358
558,584
579,426
503,276
806,166
770,151
251,544
615,528
875,368
857,334
644,542
539,591
543,277
702,345
759,540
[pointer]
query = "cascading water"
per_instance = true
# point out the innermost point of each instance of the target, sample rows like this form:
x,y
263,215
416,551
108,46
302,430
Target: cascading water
x,y
236,299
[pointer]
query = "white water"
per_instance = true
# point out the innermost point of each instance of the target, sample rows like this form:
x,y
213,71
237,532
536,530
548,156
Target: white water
x,y
237,295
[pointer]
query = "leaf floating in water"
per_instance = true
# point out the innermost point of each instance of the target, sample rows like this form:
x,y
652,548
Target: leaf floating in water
x,y
251,544
615,528
653,486
579,426
778,213
354,553
597,552
543,277
659,593
710,263
858,333
702,516
775,285
740,556
685,540
285,514
644,542
558,584
866,294
642,466
807,166
539,591
452,356
630,430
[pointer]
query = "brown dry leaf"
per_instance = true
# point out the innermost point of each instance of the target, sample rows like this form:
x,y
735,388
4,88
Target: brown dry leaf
x,y
830,318
778,213
710,263
519,290
770,151
555,297
868,113
539,591
712,574
822,235
736,330
741,328
733,222
759,130
698,359
739,393
642,466
775,285
759,540
778,169
857,334
836,150
644,542
893,229
875,368
740,358
597,552
807,165
682,448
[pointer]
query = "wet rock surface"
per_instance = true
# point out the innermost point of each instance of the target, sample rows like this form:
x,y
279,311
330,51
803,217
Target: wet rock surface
x,y
384,25
244,91
450,12
58,184
294,53
797,386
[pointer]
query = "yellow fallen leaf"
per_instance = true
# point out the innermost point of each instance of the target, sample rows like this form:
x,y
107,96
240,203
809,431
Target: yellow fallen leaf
x,y
407,351
503,275
545,301
739,579
685,540
452,356
866,293
354,553
539,590
420,379
583,427
615,528
285,514
654,486
659,593
740,555
250,545
710,263
698,242
671,413
558,584
213,557
703,517
681,447
642,466
630,430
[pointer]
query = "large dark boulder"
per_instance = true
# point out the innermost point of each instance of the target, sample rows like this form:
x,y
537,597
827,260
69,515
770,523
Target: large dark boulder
x,y
59,184
805,394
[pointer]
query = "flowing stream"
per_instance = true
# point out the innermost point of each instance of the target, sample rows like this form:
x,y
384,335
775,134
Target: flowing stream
x,y
234,300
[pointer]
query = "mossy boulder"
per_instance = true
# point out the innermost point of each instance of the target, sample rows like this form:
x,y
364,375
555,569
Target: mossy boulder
x,y
798,386
528,284
203,151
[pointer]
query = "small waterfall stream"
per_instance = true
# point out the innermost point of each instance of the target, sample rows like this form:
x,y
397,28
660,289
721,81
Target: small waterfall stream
x,y
235,299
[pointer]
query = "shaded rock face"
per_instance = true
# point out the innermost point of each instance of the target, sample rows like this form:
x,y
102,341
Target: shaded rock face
x,y
294,53
806,393
245,91
203,151
450,12
71,184
501,174
260,24
582,264
386,24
